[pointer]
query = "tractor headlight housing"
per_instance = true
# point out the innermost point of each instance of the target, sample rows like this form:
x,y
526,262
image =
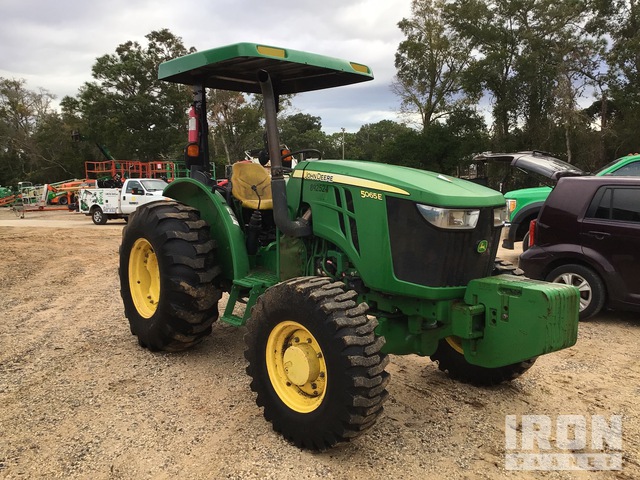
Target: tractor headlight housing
x,y
500,216
450,218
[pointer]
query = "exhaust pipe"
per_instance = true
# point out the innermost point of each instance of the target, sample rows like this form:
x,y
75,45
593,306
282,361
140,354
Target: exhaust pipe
x,y
293,228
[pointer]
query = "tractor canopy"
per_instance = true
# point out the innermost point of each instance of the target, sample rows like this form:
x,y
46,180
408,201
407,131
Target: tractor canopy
x,y
235,67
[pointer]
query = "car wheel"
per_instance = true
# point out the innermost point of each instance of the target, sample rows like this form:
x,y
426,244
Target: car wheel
x,y
592,292
98,216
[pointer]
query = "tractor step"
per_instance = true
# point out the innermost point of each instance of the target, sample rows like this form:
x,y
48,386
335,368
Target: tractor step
x,y
249,288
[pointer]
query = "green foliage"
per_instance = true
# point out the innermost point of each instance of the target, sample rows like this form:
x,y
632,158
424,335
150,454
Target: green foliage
x,y
371,140
30,133
430,63
234,125
618,20
535,62
441,147
127,109
299,131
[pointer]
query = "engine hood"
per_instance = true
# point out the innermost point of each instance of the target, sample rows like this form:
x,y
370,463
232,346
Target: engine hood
x,y
419,185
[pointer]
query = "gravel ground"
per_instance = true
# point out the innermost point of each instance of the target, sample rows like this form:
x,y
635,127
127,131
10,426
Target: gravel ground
x,y
80,399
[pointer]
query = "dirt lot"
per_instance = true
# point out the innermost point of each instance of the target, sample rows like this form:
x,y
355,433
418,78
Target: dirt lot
x,y
80,399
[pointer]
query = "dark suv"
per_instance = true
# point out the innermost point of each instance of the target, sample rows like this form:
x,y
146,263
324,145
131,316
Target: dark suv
x,y
588,235
526,179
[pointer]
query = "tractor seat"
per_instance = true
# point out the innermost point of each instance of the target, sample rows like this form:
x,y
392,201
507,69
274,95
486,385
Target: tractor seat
x,y
251,185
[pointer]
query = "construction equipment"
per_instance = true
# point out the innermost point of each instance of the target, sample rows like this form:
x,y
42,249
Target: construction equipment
x,y
7,196
161,169
338,263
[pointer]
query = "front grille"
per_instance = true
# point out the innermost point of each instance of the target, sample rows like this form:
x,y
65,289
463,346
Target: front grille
x,y
435,257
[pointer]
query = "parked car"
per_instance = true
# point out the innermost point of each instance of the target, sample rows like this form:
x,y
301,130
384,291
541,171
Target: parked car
x,y
588,235
526,179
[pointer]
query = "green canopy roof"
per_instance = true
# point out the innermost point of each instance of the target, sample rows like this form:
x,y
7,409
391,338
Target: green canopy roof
x,y
235,67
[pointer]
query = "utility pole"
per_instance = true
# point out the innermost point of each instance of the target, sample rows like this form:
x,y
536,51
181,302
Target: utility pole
x,y
343,143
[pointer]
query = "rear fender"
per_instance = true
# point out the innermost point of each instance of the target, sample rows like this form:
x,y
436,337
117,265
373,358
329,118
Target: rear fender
x,y
231,250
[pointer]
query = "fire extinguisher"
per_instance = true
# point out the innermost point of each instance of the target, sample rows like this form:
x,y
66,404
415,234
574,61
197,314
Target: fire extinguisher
x,y
193,125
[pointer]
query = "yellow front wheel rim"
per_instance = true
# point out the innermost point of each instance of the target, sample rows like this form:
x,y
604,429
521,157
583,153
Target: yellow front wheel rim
x,y
296,366
456,344
144,278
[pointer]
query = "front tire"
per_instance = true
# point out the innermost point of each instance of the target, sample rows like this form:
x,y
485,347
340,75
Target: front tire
x,y
450,359
315,362
166,272
592,291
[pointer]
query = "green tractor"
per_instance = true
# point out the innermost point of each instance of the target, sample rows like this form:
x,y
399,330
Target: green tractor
x,y
337,263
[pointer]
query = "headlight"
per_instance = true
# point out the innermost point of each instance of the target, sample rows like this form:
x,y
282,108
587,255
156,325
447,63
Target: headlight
x,y
511,206
459,219
500,216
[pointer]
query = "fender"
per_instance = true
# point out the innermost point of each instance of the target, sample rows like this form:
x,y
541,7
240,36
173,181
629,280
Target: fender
x,y
528,211
231,251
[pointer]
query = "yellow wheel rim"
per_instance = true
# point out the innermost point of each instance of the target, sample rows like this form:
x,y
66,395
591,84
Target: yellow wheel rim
x,y
456,344
144,278
296,367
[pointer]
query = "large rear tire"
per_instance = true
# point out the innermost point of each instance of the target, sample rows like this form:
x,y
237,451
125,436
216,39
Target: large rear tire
x,y
315,362
167,269
450,359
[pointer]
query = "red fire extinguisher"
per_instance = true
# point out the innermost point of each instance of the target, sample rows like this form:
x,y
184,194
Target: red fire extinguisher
x,y
193,125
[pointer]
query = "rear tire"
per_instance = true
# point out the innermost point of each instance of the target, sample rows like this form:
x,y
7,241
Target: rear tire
x,y
525,242
166,271
98,216
450,358
591,287
315,362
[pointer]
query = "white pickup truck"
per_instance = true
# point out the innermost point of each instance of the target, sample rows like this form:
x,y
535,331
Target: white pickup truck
x,y
109,203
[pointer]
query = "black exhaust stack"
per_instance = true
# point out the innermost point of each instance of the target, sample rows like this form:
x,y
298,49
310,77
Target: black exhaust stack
x,y
293,228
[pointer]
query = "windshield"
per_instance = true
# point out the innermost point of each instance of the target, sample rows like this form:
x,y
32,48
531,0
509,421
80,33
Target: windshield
x,y
154,185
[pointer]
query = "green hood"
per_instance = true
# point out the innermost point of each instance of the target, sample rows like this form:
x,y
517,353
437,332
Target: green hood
x,y
419,185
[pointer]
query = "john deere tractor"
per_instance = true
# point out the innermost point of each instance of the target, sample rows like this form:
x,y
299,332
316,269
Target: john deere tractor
x,y
329,266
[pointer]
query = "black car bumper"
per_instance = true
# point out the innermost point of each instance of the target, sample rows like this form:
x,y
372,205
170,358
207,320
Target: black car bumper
x,y
535,262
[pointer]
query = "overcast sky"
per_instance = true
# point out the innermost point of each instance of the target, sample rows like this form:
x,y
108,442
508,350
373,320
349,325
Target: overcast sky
x,y
54,43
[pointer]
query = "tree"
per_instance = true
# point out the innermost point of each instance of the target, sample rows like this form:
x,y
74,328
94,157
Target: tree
x,y
369,142
532,58
619,113
127,108
430,63
234,125
441,147
300,130
33,137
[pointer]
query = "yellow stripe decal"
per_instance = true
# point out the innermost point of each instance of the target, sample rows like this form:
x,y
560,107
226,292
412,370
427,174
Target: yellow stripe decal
x,y
348,180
